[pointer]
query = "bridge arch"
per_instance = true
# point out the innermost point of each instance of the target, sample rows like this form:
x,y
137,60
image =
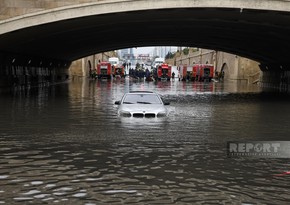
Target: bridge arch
x,y
226,70
251,29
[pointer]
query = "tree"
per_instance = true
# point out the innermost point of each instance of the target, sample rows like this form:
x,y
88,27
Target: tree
x,y
185,51
169,55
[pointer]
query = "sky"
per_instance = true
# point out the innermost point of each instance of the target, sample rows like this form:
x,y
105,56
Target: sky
x,y
143,50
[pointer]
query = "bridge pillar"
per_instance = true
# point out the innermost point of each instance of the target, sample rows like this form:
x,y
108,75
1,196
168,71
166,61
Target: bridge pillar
x,y
276,77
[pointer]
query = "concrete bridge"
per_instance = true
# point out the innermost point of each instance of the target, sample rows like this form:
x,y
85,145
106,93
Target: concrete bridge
x,y
48,35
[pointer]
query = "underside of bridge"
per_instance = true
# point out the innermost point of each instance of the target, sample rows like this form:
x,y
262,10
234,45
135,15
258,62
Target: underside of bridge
x,y
260,35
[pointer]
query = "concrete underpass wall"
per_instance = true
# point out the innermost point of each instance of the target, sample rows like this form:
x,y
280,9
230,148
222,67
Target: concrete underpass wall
x,y
248,70
23,71
276,79
81,67
30,76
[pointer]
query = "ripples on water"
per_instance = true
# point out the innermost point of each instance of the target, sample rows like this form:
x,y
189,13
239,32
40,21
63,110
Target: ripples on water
x,y
66,145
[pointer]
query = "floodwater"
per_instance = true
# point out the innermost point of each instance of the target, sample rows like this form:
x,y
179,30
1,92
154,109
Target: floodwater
x,y
65,144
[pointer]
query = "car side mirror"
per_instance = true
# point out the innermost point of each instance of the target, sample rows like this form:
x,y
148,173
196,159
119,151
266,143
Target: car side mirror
x,y
117,102
166,103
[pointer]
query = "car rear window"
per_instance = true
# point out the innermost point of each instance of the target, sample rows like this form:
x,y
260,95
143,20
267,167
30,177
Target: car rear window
x,y
141,99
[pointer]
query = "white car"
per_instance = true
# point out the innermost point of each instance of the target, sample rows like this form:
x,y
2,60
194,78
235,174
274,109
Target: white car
x,y
142,104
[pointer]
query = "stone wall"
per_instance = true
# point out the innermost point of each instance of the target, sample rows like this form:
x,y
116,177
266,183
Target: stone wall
x,y
235,67
81,67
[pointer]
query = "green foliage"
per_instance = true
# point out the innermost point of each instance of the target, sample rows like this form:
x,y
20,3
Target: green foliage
x,y
185,51
169,55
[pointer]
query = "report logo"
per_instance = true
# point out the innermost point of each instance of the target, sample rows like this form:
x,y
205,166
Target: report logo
x,y
271,149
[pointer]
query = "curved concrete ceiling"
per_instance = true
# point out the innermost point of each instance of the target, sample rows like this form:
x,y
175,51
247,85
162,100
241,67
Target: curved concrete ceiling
x,y
261,35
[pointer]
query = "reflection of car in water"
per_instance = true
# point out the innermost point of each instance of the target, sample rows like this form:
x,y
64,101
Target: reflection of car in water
x,y
142,104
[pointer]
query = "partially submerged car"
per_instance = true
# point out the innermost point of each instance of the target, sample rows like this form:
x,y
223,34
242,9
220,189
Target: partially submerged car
x,y
142,104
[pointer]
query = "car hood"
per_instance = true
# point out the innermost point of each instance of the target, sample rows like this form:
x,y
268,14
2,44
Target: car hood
x,y
141,108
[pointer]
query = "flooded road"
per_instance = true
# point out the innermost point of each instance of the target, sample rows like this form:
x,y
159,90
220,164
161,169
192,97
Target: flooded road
x,y
65,144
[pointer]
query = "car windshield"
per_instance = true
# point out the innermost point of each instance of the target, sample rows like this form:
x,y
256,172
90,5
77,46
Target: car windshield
x,y
141,99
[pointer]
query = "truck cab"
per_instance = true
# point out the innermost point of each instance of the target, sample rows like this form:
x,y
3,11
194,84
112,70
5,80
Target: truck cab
x,y
163,72
104,70
203,72
119,71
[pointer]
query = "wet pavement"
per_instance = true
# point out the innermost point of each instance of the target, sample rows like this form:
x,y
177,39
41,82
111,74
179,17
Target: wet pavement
x,y
65,144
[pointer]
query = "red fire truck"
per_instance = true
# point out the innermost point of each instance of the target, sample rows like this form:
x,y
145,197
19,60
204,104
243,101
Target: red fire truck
x,y
182,71
201,72
104,70
119,71
163,72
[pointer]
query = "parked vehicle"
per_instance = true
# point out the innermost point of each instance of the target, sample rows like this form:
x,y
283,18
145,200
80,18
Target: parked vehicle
x,y
142,104
182,69
201,72
157,62
163,72
104,70
119,71
114,61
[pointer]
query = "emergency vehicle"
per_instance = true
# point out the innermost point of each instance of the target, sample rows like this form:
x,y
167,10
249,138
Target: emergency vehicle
x,y
114,61
182,71
104,70
119,71
163,72
201,72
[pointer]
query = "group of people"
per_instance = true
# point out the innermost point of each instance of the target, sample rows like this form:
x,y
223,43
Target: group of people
x,y
139,73
126,65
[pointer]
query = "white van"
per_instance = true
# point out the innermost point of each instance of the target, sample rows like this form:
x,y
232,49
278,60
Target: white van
x,y
114,61
158,61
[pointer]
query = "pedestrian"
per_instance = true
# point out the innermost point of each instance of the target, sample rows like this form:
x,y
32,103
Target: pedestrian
x,y
147,74
173,75
90,72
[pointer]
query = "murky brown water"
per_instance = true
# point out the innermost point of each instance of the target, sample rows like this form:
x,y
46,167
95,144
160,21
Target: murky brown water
x,y
65,144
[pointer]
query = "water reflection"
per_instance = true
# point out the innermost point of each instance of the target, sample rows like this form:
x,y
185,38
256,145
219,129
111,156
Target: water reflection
x,y
66,145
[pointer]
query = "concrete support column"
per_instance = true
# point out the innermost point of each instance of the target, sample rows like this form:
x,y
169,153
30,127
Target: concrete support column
x,y
276,77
